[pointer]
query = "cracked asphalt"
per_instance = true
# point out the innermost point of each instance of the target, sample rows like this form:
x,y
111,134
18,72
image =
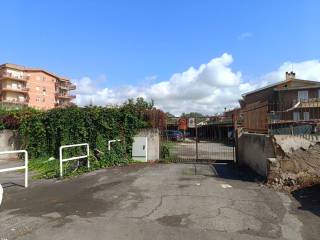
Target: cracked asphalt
x,y
155,201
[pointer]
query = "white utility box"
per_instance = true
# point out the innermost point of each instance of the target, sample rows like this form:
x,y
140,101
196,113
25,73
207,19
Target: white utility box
x,y
140,149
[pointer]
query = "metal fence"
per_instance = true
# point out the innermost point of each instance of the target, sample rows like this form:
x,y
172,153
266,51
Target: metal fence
x,y
291,117
206,140
295,118
24,167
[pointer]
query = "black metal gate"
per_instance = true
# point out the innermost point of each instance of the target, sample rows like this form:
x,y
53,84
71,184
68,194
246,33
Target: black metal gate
x,y
197,140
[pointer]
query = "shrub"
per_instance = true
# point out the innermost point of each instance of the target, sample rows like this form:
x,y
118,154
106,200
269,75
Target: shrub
x,y
45,132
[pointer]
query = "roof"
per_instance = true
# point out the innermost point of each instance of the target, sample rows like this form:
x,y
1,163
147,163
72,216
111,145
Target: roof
x,y
280,83
29,69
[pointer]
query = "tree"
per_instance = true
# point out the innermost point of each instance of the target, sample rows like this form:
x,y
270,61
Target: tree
x,y
170,115
139,105
192,114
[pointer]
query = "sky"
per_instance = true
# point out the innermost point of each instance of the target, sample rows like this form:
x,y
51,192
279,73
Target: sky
x,y
186,55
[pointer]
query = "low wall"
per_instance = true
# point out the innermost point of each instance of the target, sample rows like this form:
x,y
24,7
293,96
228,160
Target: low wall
x,y
9,140
254,150
286,161
153,150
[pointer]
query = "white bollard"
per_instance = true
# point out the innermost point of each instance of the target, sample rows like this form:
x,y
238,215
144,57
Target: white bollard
x,y
1,194
73,158
112,141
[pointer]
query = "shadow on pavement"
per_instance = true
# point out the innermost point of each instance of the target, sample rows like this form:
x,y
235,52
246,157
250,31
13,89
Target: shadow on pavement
x,y
11,184
309,198
234,172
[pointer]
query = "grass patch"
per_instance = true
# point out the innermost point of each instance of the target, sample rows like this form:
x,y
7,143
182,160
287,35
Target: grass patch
x,y
50,168
166,155
44,168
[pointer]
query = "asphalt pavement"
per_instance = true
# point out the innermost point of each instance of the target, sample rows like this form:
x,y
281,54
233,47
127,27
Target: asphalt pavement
x,y
155,201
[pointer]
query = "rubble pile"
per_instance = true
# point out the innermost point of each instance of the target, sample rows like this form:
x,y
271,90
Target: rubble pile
x,y
296,163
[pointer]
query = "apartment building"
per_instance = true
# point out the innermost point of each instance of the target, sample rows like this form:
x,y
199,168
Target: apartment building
x,y
22,86
281,104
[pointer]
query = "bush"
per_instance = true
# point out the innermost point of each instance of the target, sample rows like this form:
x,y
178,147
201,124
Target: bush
x,y
164,151
45,132
11,119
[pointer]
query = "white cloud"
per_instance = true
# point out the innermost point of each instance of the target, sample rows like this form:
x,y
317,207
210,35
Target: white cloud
x,y
308,70
245,35
208,89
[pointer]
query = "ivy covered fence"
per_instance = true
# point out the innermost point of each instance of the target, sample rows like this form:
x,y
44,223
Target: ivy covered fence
x,y
43,132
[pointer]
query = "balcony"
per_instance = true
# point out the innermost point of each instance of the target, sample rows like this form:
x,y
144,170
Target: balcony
x,y
307,103
72,87
7,75
17,90
14,101
67,87
65,96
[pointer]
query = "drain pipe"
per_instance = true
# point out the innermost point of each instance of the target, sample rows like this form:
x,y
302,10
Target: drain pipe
x,y
111,141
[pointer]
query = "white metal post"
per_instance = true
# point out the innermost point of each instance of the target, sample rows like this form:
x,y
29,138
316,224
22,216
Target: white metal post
x,y
146,149
111,141
88,162
60,160
26,170
25,167
73,158
1,194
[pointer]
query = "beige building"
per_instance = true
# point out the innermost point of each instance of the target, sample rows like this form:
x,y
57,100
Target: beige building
x,y
23,86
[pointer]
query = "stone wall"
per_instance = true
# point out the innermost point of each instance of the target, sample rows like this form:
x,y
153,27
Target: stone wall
x,y
9,140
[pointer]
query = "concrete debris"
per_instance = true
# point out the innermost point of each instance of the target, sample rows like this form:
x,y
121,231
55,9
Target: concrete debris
x,y
288,144
296,163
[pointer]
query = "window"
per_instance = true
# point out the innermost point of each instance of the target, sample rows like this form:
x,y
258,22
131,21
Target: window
x,y
37,99
296,116
43,99
37,88
43,78
306,116
303,96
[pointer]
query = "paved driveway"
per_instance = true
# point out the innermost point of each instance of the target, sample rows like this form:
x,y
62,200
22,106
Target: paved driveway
x,y
174,201
206,151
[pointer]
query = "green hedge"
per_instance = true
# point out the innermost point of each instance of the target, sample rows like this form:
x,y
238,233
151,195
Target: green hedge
x,y
11,119
44,132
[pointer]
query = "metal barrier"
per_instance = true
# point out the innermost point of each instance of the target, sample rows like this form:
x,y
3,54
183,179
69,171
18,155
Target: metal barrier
x,y
1,194
72,158
25,167
111,141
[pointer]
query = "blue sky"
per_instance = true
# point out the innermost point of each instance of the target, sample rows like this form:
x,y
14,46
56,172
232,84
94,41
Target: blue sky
x,y
117,43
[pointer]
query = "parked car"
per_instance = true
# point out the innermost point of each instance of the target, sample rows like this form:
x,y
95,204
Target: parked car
x,y
174,135
187,134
